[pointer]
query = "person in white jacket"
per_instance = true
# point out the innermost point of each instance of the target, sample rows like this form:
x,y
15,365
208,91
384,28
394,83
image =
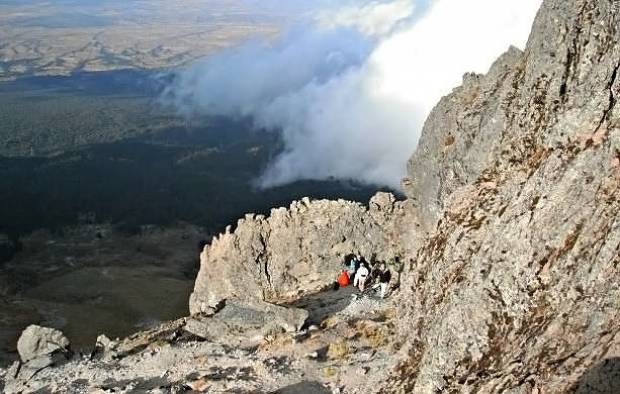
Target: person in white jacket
x,y
361,276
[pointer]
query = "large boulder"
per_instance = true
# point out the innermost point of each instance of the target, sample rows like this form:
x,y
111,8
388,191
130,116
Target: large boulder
x,y
42,346
262,314
239,321
299,250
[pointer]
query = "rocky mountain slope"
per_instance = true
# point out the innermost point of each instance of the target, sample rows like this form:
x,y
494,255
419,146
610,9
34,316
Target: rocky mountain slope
x,y
510,237
516,179
517,176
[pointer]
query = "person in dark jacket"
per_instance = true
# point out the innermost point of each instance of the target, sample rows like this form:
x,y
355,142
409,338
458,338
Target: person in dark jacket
x,y
352,264
384,276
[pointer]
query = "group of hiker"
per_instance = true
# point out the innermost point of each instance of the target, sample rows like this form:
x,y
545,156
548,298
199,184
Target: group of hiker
x,y
364,275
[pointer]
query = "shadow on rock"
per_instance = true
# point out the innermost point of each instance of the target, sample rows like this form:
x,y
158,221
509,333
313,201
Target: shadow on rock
x,y
304,388
324,304
602,379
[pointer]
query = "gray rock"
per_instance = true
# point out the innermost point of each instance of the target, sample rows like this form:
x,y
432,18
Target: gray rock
x,y
242,320
105,348
313,355
259,314
38,346
304,388
105,343
299,250
13,371
213,330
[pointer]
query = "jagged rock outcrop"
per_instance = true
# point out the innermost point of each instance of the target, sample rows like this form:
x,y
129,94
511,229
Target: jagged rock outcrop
x,y
299,250
457,145
518,177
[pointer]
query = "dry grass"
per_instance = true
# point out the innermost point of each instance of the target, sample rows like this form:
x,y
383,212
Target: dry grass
x,y
338,350
373,334
331,322
449,140
276,343
330,372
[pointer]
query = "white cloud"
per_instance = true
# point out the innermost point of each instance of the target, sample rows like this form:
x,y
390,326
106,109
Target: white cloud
x,y
375,18
349,105
244,80
426,61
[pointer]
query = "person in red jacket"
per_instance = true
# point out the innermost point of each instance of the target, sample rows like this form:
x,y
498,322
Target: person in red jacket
x,y
343,279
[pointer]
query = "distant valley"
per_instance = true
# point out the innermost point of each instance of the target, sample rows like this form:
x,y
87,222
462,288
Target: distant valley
x,y
62,37
98,146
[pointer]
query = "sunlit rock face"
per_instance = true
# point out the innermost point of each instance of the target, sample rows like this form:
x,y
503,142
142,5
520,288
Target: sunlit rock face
x,y
517,177
301,249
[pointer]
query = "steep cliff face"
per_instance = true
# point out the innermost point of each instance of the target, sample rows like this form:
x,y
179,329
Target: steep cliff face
x,y
300,250
518,178
460,137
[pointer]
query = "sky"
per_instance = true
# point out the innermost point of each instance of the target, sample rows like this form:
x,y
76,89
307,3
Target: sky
x,y
350,84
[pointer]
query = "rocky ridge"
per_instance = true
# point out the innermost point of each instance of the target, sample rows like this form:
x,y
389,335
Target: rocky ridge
x,y
298,251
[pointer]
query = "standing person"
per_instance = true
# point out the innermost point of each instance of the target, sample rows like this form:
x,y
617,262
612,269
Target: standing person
x,y
361,276
363,261
352,265
385,276
375,269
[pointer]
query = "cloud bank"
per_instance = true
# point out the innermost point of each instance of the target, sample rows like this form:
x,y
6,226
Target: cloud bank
x,y
372,18
350,89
